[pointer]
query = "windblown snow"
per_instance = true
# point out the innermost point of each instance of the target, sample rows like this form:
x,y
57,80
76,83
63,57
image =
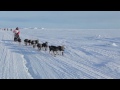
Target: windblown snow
x,y
89,54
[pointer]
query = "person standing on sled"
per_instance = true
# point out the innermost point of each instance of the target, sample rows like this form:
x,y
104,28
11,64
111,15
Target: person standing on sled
x,y
16,34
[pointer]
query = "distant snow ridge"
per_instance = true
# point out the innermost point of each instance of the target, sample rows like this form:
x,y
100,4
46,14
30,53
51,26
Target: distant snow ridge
x,y
114,44
35,28
102,36
38,28
99,36
25,28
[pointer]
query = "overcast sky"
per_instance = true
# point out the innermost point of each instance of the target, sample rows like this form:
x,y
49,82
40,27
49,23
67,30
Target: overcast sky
x,y
61,19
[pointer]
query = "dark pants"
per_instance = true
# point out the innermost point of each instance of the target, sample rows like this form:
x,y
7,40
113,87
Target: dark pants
x,y
16,37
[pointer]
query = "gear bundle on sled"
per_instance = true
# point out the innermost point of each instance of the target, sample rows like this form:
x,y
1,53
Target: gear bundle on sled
x,y
16,37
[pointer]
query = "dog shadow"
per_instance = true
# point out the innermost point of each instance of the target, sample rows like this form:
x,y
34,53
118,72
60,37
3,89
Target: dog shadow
x,y
19,48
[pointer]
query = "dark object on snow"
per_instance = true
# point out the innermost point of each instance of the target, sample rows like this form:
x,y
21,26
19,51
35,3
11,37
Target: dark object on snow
x,y
19,40
16,37
29,42
45,45
56,49
34,43
61,49
39,46
25,41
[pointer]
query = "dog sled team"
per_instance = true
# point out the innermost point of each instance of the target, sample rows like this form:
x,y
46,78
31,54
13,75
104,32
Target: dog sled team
x,y
56,50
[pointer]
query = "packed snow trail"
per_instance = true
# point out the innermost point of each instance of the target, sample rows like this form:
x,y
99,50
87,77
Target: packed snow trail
x,y
12,64
79,61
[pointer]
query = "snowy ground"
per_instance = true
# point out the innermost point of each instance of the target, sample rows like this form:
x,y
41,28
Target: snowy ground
x,y
89,54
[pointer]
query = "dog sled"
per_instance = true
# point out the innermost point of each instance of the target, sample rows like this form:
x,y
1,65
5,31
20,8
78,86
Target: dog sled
x,y
16,37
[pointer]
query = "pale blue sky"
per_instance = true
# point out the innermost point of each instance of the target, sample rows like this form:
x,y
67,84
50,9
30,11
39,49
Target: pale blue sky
x,y
61,19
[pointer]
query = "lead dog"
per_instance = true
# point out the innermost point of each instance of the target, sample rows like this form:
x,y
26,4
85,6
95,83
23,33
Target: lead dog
x,y
55,49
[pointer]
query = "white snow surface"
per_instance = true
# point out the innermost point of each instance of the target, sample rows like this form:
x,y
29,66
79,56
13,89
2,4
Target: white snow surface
x,y
89,54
